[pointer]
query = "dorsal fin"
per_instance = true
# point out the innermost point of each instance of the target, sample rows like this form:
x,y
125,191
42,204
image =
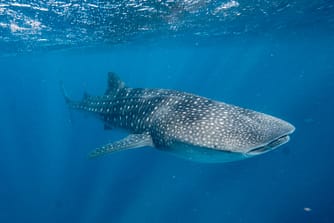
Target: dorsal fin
x,y
114,84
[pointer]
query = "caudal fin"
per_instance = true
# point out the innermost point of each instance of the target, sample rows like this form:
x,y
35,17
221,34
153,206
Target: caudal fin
x,y
71,103
63,90
67,99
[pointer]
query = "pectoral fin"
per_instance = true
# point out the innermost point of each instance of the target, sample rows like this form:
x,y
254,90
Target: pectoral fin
x,y
130,142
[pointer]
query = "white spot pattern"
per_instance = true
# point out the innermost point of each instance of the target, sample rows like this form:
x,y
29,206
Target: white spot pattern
x,y
171,116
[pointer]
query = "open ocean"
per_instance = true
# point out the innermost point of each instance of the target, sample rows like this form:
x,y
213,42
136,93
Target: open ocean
x,y
275,57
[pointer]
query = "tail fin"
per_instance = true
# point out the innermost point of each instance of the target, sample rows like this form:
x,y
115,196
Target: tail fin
x,y
114,84
67,99
71,103
62,88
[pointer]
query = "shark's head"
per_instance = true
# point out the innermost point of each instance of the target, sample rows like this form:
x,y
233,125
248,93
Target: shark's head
x,y
264,133
272,142
240,134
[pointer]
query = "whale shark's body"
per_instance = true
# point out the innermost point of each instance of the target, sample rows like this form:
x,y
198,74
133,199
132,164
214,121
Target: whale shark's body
x,y
190,126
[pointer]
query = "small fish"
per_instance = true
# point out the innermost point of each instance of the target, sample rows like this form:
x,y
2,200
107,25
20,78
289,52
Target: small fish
x,y
187,125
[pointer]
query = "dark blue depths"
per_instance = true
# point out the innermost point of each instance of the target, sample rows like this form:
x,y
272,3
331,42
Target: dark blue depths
x,y
46,176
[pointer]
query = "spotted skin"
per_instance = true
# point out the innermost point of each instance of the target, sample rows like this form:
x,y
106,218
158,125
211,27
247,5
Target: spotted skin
x,y
184,124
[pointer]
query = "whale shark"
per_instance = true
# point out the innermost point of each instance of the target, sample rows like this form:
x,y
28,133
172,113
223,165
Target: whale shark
x,y
184,124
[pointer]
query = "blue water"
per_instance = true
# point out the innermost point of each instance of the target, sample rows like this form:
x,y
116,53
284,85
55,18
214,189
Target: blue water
x,y
275,57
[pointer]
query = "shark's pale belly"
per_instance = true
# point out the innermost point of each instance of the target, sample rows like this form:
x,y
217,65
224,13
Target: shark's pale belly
x,y
202,154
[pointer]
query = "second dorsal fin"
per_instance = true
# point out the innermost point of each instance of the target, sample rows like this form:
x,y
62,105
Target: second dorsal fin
x,y
114,84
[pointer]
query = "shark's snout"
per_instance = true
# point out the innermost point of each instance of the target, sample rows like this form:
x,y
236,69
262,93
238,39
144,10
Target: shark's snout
x,y
280,136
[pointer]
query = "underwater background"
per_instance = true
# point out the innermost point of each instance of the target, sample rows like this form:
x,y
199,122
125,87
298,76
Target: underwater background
x,y
270,56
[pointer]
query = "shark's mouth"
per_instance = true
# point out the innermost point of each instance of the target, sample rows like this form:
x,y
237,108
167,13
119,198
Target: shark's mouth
x,y
270,146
